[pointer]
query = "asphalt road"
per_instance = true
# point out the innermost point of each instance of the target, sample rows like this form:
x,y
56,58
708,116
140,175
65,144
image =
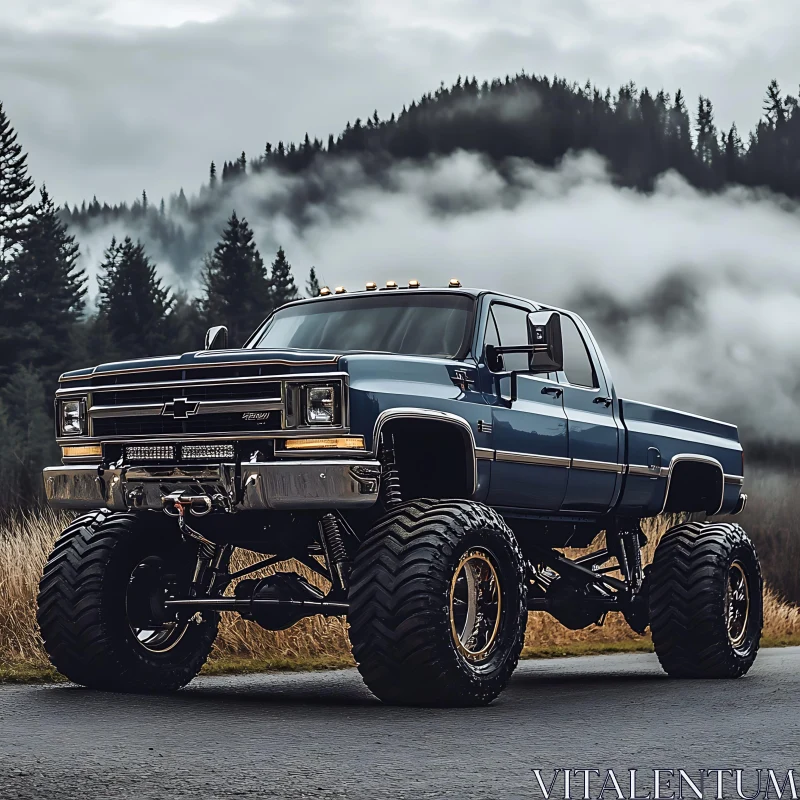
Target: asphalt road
x,y
324,735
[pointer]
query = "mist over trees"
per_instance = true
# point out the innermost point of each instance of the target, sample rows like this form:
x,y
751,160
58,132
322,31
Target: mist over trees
x,y
48,323
640,134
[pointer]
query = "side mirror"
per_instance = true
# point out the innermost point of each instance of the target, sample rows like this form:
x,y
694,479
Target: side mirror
x,y
216,338
544,334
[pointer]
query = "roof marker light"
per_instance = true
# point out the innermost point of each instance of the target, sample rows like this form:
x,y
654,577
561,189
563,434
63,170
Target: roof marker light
x,y
372,286
324,291
340,290
454,283
391,284
413,284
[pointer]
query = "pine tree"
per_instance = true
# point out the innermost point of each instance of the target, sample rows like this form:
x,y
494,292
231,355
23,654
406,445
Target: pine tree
x,y
134,304
774,105
212,176
26,433
16,186
312,284
707,146
282,287
237,289
44,293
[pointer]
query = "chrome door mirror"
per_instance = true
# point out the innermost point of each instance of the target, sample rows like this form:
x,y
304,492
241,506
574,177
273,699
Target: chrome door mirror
x,y
544,334
217,338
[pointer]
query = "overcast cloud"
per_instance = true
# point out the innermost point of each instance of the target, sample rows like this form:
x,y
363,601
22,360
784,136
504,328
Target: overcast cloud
x,y
114,96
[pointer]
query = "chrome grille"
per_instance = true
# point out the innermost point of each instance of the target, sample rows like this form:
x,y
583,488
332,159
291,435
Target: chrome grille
x,y
187,408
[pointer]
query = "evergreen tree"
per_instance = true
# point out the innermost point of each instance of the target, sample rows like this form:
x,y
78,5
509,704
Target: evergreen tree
x,y
26,433
237,288
44,293
312,284
282,287
16,186
212,176
707,147
774,105
134,304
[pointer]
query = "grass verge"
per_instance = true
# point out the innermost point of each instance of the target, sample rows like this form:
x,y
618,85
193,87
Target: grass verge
x,y
239,665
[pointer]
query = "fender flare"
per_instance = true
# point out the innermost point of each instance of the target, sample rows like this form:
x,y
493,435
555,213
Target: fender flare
x,y
431,415
709,461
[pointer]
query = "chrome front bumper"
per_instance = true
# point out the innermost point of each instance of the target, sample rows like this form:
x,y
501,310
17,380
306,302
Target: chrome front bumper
x,y
275,486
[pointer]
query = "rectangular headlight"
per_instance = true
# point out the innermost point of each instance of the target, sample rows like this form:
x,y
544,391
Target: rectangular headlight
x,y
320,405
73,417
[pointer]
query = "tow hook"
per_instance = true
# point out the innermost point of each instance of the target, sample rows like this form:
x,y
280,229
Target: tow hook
x,y
209,554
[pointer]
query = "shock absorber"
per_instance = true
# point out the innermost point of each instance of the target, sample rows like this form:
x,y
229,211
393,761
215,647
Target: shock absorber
x,y
334,548
390,480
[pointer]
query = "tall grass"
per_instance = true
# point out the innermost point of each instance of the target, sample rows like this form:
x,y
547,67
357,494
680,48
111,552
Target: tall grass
x,y
772,519
27,538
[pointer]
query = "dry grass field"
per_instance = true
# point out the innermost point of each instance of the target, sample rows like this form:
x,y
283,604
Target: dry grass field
x,y
26,539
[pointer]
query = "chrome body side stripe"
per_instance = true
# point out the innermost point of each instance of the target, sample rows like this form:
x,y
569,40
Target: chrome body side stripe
x,y
484,454
532,458
648,472
598,466
735,480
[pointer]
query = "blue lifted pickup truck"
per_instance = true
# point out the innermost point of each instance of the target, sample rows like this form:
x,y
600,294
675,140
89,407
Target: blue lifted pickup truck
x,y
428,452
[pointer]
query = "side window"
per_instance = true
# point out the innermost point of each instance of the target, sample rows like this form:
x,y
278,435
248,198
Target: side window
x,y
577,363
512,328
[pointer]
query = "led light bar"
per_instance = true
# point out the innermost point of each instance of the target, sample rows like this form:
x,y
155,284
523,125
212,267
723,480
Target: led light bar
x,y
82,451
150,452
212,452
331,443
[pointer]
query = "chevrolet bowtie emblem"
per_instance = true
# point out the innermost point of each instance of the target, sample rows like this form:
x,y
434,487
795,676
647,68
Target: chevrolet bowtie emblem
x,y
180,408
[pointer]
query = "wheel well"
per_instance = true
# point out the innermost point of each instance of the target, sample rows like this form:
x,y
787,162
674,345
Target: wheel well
x,y
694,486
434,458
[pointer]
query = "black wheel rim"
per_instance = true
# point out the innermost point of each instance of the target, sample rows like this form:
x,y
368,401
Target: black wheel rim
x,y
475,606
147,588
737,604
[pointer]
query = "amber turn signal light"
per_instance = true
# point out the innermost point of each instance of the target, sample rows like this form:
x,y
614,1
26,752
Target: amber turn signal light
x,y
328,443
82,451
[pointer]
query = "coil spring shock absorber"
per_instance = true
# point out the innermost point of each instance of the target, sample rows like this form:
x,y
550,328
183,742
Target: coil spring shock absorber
x,y
334,548
390,480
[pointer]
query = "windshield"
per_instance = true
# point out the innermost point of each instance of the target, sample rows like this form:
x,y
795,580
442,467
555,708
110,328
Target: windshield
x,y
422,324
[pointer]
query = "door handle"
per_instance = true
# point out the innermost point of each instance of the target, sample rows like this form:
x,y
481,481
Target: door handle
x,y
554,390
606,401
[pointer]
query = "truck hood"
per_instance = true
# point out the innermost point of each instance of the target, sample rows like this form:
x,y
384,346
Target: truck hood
x,y
194,364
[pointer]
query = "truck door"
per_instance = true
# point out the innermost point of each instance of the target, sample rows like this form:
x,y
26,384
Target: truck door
x,y
594,436
529,436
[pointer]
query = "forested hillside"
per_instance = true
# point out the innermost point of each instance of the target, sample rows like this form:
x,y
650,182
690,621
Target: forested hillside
x,y
51,321
641,135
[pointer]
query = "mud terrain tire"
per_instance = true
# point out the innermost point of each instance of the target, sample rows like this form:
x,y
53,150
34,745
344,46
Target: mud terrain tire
x,y
428,571
701,574
84,599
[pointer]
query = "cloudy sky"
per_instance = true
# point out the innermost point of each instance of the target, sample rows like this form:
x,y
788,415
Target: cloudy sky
x,y
114,96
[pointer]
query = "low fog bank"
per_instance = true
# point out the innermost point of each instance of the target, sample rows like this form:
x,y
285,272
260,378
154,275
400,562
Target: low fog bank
x,y
694,298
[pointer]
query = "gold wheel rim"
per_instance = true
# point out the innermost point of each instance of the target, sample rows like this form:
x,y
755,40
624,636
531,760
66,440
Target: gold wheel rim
x,y
475,605
737,604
